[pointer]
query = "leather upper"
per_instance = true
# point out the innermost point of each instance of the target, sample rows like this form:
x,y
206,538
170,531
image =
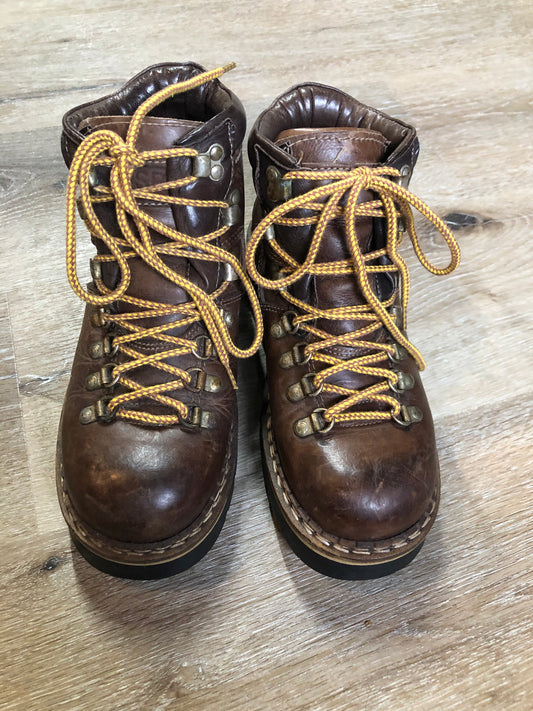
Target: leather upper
x,y
360,481
127,480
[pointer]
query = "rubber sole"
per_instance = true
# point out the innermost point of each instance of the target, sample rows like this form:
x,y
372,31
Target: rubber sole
x,y
326,566
158,570
378,562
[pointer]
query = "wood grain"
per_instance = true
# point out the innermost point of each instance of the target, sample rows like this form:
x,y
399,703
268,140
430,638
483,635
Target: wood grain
x,y
251,627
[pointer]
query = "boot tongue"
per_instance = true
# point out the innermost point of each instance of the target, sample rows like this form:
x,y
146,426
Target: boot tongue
x,y
343,148
155,133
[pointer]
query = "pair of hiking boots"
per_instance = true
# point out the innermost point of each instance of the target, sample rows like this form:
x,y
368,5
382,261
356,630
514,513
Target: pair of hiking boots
x,y
147,445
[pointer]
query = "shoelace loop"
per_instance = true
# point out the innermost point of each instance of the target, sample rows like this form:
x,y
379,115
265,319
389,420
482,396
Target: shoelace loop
x,y
393,202
105,148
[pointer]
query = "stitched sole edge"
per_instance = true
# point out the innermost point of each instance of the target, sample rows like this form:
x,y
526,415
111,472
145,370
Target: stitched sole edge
x,y
162,558
330,555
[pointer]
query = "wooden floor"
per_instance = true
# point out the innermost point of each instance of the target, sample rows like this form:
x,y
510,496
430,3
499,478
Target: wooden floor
x,y
251,627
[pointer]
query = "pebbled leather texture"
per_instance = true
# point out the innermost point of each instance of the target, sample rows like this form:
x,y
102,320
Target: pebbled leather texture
x,y
360,481
131,482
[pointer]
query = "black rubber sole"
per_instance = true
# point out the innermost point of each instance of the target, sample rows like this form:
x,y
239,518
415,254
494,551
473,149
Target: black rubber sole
x,y
324,565
158,570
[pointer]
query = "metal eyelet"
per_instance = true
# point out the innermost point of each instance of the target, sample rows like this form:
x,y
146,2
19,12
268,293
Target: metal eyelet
x,y
209,165
284,326
100,411
94,178
227,316
404,177
404,381
207,351
278,189
108,379
102,378
98,318
196,417
110,349
81,210
304,388
101,349
232,213
229,273
396,313
197,386
313,424
270,233
295,356
96,269
409,415
399,353
204,381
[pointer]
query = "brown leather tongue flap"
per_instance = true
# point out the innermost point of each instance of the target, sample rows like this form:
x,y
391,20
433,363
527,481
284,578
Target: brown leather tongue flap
x,y
155,133
344,147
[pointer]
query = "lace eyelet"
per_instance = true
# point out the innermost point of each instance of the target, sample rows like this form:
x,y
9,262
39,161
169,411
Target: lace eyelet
x,y
295,356
399,353
278,189
98,318
196,387
409,415
285,326
197,418
209,165
207,351
101,349
304,388
100,411
404,381
313,424
204,382
102,378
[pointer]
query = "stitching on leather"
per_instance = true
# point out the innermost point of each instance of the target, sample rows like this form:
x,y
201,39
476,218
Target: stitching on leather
x,y
85,536
386,545
126,120
325,139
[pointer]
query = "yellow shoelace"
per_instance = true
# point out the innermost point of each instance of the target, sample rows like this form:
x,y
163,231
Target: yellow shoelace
x,y
393,202
106,148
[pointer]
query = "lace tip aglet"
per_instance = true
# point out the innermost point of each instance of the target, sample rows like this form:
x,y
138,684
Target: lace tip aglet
x,y
228,67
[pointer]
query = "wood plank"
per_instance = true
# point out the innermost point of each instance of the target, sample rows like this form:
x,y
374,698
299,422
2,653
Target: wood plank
x,y
251,627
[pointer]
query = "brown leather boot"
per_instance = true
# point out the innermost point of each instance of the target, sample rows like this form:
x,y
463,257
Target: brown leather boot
x,y
349,453
148,437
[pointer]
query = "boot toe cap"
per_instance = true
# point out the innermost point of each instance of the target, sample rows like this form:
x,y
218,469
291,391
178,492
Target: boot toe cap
x,y
147,491
374,495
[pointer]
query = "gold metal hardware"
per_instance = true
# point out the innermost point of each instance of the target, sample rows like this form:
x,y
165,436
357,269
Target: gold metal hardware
x,y
278,189
196,417
409,415
404,381
304,388
284,326
295,356
208,165
204,351
232,213
399,354
314,423
99,411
